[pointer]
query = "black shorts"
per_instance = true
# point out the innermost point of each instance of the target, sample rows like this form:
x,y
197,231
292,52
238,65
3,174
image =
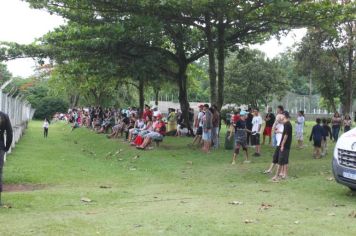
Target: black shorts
x,y
276,156
255,139
283,157
317,143
199,130
239,145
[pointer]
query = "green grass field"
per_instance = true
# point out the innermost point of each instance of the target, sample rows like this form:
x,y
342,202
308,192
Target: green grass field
x,y
172,190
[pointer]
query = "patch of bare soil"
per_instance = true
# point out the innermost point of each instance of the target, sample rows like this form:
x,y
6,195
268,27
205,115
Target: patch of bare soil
x,y
22,187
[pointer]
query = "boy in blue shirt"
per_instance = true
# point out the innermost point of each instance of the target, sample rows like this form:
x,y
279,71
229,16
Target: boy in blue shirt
x,y
317,135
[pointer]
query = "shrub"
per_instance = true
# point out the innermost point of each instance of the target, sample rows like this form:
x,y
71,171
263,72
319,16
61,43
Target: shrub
x,y
48,106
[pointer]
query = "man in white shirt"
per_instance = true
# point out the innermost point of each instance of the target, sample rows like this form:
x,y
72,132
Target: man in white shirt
x,y
199,125
256,131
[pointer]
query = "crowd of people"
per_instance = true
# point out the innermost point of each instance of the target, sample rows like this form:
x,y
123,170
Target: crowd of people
x,y
246,128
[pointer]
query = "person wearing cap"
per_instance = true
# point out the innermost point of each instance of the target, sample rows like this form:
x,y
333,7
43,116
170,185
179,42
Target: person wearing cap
x,y
198,123
207,126
240,137
283,156
157,134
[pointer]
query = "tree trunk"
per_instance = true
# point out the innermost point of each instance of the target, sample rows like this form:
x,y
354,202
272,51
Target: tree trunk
x,y
333,105
310,92
348,93
141,92
183,94
211,56
156,96
221,63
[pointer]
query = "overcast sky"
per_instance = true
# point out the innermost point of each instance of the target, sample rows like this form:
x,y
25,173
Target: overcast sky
x,y
19,23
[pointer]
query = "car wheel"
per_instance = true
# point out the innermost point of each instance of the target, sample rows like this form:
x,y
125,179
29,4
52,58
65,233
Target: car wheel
x,y
352,189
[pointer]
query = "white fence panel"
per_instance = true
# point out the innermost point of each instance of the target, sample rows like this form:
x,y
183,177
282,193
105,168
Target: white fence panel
x,y
20,113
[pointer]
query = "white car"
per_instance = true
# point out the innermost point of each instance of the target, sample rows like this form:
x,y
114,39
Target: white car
x,y
344,161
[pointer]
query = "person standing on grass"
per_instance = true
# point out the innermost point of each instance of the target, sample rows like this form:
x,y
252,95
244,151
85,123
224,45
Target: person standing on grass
x,y
269,119
327,133
207,126
256,130
215,129
317,135
347,123
300,128
280,110
249,125
198,124
336,123
45,128
283,155
5,127
278,132
240,137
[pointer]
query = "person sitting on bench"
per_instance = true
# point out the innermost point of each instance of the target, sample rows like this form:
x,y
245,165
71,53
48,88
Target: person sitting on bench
x,y
156,135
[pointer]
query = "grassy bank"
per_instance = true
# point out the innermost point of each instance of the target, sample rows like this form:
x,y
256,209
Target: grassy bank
x,y
173,190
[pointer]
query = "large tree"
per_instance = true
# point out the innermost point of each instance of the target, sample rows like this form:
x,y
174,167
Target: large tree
x,y
254,80
328,57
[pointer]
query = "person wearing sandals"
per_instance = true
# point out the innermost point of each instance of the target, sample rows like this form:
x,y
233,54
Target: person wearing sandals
x,y
240,137
278,131
283,155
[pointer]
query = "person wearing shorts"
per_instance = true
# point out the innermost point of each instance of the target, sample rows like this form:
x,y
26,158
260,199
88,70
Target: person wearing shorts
x,y
317,135
255,132
240,137
207,127
269,119
199,125
283,154
278,134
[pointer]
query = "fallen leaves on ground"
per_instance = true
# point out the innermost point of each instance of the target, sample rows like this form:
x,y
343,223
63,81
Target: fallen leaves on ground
x,y
331,214
103,186
235,203
190,162
296,222
330,179
248,221
136,157
264,191
85,199
6,206
265,206
353,214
